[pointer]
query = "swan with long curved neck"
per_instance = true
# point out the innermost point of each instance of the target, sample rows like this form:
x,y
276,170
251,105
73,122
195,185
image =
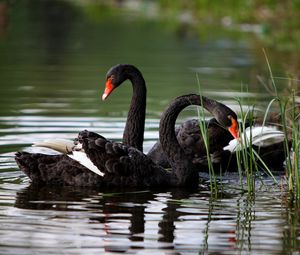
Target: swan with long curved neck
x,y
174,152
121,165
220,130
188,135
134,129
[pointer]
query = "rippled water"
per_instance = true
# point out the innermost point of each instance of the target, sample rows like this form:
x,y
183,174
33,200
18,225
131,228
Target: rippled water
x,y
43,220
54,56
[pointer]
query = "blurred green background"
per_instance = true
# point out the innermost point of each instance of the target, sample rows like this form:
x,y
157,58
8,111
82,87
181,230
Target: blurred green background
x,y
54,54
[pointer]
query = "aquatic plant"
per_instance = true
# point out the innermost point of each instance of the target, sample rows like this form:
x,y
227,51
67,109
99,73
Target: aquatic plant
x,y
290,126
247,159
249,162
205,136
288,110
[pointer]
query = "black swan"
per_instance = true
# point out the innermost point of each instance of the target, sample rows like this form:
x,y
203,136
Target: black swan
x,y
188,134
120,165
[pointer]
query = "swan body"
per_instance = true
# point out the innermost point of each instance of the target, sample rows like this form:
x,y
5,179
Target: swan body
x,y
120,164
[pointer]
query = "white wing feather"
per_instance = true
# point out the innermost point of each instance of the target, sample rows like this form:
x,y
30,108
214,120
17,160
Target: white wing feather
x,y
261,136
74,152
83,159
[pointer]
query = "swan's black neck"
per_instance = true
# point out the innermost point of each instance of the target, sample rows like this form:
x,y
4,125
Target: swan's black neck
x,y
134,130
181,164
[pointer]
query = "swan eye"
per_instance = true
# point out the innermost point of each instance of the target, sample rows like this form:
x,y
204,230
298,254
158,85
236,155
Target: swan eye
x,y
230,118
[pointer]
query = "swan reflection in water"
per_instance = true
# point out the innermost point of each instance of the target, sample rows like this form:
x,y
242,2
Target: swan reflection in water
x,y
122,219
127,220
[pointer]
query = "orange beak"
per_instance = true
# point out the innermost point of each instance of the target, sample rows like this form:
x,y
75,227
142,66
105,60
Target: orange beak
x,y
234,129
109,87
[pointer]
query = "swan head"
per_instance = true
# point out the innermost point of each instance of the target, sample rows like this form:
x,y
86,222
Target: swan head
x,y
117,75
228,119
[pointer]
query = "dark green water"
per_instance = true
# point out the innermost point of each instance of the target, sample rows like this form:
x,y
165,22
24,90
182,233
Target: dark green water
x,y
53,59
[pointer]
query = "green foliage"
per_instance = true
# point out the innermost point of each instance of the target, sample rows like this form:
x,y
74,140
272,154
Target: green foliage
x,y
278,21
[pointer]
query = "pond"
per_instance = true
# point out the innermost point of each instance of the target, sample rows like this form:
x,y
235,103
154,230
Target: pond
x,y
54,57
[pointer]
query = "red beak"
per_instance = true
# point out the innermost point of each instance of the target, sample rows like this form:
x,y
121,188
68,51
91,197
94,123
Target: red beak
x,y
234,129
109,87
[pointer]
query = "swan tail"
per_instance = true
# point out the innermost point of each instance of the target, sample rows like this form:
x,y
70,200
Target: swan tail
x,y
56,169
35,165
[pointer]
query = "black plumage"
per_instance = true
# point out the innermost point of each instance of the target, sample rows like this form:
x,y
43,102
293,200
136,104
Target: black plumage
x,y
122,165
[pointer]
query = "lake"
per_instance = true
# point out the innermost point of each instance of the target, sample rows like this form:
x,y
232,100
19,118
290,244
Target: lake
x,y
53,59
